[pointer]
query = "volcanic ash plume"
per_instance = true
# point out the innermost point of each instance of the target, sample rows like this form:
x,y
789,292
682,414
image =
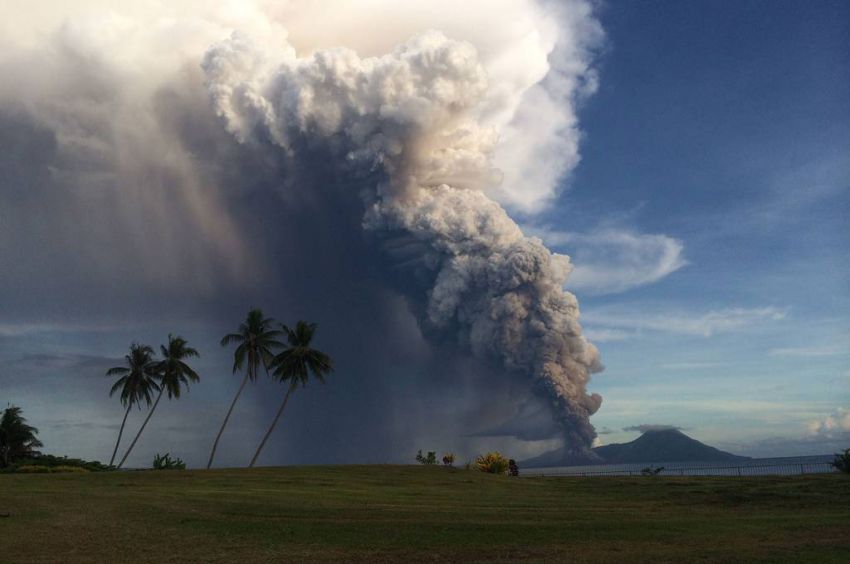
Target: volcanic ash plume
x,y
408,127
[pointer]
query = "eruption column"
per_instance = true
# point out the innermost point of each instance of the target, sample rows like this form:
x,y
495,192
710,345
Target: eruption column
x,y
408,122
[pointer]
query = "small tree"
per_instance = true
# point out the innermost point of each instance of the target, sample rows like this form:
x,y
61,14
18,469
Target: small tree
x,y
842,461
492,463
449,459
165,462
431,458
17,439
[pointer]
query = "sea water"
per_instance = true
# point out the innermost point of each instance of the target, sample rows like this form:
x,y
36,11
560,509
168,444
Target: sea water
x,y
784,466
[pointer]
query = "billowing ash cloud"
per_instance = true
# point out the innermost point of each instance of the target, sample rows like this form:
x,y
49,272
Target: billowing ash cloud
x,y
409,117
195,156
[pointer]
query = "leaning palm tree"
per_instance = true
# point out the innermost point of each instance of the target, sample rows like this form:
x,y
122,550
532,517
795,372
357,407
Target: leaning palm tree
x,y
294,365
136,383
256,340
173,373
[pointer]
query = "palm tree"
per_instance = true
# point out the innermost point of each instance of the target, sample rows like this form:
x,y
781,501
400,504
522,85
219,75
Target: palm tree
x,y
136,383
294,365
173,373
256,340
17,439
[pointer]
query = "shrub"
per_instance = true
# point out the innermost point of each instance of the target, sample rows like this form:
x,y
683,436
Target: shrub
x,y
650,471
842,461
449,459
165,462
51,461
68,470
492,463
430,459
32,469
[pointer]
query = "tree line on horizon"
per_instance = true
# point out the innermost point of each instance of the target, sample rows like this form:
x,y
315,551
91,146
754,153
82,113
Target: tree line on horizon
x,y
285,354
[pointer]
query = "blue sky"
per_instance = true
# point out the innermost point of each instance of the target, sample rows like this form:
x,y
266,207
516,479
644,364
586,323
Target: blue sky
x,y
724,129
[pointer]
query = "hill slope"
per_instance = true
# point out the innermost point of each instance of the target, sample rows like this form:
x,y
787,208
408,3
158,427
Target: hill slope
x,y
664,446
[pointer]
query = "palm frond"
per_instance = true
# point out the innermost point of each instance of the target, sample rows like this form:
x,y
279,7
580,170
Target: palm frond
x,y
135,376
232,338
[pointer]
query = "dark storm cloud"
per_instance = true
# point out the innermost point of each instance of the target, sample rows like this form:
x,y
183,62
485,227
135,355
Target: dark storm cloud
x,y
316,263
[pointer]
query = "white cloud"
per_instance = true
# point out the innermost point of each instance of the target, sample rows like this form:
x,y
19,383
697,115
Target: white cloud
x,y
689,365
13,330
826,434
810,351
654,400
706,324
613,260
607,335
770,447
834,424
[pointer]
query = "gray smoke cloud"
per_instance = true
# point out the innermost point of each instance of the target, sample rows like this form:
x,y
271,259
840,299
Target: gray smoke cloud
x,y
408,117
168,165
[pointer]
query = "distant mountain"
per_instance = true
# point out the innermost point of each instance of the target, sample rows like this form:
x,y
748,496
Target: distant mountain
x,y
667,445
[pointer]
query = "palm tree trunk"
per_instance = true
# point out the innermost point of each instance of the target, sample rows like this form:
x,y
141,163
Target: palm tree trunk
x,y
269,432
139,434
226,418
120,432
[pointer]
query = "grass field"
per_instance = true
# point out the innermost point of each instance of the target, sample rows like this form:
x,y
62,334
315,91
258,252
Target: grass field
x,y
412,514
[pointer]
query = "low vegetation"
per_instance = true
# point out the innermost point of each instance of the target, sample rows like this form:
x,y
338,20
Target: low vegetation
x,y
420,513
492,463
51,463
427,459
18,449
39,469
842,461
165,462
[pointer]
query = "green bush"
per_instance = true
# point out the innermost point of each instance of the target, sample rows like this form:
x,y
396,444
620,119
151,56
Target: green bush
x,y
68,470
652,471
431,458
492,463
32,469
842,461
449,459
165,462
51,461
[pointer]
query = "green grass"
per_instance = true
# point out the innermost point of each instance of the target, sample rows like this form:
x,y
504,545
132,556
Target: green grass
x,y
404,514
